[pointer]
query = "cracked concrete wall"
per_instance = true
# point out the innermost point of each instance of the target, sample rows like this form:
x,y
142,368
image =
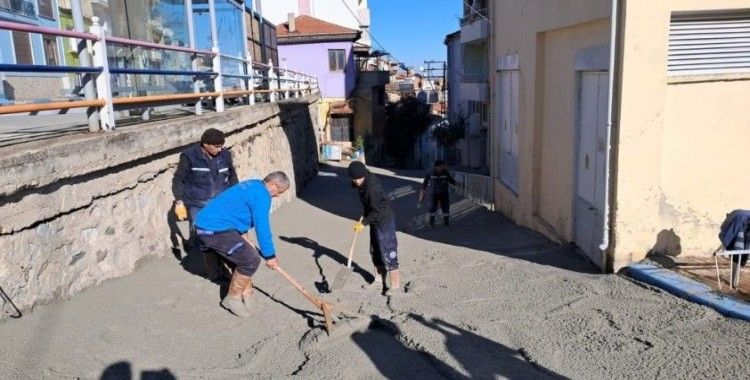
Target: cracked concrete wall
x,y
80,209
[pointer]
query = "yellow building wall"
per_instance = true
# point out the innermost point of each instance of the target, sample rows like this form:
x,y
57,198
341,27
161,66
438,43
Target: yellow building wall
x,y
675,140
546,36
558,125
705,161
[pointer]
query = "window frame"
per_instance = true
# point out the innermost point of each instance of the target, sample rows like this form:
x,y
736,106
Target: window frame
x,y
56,51
334,59
15,47
51,15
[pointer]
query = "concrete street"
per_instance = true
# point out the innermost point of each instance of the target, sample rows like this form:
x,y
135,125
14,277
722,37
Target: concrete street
x,y
483,298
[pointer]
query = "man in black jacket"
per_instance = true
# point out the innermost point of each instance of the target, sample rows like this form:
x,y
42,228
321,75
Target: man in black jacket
x,y
440,178
382,221
204,171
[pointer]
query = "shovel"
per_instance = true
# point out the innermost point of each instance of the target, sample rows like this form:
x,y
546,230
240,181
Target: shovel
x,y
345,273
327,308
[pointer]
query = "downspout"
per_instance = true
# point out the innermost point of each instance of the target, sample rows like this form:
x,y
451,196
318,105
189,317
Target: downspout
x,y
613,48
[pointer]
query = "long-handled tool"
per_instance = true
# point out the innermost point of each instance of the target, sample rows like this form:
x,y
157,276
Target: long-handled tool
x,y
342,277
327,308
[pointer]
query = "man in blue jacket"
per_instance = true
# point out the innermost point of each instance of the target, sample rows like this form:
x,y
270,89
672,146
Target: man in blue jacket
x,y
221,224
204,171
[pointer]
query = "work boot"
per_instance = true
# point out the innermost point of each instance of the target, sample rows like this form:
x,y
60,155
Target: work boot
x,y
446,220
394,285
432,221
233,300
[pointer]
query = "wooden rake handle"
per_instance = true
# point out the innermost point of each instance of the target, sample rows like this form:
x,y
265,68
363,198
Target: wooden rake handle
x,y
314,300
354,242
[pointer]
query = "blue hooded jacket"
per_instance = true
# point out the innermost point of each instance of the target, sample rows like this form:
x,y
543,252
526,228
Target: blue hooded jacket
x,y
242,207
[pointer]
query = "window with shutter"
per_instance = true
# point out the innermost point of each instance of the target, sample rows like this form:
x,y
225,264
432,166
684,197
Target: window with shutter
x,y
45,9
22,48
709,44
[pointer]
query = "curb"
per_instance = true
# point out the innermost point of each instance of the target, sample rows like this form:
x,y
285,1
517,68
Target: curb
x,y
690,290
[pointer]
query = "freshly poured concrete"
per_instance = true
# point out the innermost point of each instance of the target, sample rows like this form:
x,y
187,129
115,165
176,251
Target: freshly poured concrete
x,y
483,298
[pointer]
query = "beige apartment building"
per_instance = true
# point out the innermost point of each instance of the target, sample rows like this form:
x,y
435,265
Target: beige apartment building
x,y
622,126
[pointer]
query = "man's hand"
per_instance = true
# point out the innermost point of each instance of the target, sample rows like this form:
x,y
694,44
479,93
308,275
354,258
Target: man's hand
x,y
273,263
180,211
358,227
421,195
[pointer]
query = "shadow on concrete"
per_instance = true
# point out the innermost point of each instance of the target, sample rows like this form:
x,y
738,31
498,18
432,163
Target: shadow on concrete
x,y
123,371
482,358
472,226
308,315
320,251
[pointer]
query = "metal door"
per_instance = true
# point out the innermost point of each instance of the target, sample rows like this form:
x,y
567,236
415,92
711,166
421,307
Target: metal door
x,y
508,118
590,160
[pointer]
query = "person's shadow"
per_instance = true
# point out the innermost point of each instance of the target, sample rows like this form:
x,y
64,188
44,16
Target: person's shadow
x,y
320,251
482,357
396,360
123,371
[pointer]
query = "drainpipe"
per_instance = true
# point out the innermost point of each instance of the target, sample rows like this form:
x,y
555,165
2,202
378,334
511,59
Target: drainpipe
x,y
613,48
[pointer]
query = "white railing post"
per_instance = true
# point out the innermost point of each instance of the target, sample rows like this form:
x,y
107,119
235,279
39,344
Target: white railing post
x,y
285,81
103,80
297,78
251,80
194,57
85,61
272,82
218,83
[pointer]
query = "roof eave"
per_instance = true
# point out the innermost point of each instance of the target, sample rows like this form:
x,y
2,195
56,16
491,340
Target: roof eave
x,y
306,38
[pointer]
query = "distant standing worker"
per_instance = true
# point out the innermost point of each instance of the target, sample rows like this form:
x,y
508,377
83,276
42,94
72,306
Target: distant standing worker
x,y
440,178
382,221
204,171
221,224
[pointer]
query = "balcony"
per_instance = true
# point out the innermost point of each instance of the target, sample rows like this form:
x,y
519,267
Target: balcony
x,y
475,26
363,16
473,14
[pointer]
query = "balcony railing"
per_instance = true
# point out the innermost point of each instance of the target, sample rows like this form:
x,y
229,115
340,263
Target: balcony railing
x,y
473,14
259,81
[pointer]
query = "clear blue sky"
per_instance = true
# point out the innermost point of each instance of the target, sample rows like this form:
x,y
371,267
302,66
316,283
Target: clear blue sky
x,y
414,30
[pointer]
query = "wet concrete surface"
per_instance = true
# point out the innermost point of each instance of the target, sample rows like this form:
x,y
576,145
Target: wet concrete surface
x,y
482,298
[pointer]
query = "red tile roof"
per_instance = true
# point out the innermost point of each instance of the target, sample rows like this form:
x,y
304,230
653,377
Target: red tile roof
x,y
310,26
341,108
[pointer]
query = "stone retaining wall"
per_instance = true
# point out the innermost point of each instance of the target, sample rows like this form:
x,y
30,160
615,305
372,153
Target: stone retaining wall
x,y
77,210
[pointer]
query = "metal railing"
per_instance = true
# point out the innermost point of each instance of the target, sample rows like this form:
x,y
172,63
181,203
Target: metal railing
x,y
476,188
259,81
473,14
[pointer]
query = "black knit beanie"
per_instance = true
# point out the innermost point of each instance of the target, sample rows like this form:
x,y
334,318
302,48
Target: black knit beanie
x,y
212,136
357,170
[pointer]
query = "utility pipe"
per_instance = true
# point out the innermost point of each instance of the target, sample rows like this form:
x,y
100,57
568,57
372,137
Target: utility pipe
x,y
613,49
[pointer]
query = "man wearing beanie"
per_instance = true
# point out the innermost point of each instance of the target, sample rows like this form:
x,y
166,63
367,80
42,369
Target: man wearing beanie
x,y
382,221
204,171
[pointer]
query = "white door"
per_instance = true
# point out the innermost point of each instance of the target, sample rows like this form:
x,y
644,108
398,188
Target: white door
x,y
508,119
590,160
